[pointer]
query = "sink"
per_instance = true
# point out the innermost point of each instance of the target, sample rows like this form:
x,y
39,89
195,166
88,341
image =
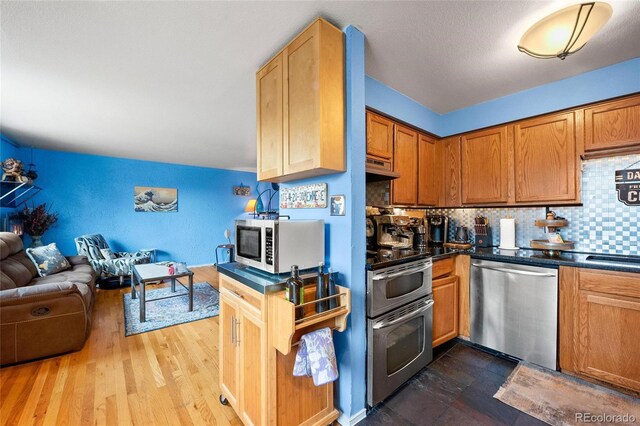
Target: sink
x,y
633,262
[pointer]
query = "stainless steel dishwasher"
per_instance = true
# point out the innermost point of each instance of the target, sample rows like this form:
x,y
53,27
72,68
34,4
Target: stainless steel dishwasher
x,y
514,310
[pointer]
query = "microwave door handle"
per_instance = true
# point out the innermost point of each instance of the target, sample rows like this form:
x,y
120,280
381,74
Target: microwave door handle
x,y
514,271
415,313
403,272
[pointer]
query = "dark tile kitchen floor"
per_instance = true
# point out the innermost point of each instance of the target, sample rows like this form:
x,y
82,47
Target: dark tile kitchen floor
x,y
457,388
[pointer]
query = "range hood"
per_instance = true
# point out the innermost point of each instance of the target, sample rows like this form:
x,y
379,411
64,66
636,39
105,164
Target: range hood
x,y
378,170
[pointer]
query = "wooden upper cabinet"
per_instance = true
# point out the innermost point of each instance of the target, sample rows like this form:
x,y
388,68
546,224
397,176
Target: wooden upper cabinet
x,y
613,125
312,100
269,124
379,136
450,165
545,159
404,190
485,168
429,173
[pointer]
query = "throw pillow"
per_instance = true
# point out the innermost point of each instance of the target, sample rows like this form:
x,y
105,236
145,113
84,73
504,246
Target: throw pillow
x,y
107,253
48,259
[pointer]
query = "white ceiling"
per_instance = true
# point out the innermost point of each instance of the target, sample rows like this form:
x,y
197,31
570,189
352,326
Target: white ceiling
x,y
175,81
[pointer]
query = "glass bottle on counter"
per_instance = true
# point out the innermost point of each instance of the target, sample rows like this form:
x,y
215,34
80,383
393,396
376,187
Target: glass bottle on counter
x,y
331,290
295,290
321,290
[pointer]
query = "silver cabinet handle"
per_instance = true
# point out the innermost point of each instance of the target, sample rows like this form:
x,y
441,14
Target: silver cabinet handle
x,y
237,333
416,313
403,272
233,331
514,271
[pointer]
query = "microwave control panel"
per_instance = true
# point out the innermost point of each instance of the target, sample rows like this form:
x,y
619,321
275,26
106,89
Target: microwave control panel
x,y
268,245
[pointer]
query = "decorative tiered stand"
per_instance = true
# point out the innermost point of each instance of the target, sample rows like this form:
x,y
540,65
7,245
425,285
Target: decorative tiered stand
x,y
548,248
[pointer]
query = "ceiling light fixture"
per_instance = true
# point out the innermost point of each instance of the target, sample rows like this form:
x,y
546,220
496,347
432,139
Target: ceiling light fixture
x,y
566,31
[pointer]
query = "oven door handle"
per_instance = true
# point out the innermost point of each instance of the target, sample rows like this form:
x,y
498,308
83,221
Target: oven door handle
x,y
416,313
403,272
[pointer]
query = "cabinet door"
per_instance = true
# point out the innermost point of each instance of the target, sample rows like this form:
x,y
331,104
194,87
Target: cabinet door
x,y
229,380
302,98
404,189
379,136
545,159
253,359
612,125
485,168
445,310
608,338
451,196
269,109
429,180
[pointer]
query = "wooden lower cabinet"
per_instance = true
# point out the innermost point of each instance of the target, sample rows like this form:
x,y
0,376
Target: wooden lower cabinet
x,y
600,325
256,378
445,309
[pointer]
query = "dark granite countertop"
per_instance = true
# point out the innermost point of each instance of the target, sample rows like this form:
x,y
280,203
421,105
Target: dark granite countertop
x,y
266,283
610,262
262,282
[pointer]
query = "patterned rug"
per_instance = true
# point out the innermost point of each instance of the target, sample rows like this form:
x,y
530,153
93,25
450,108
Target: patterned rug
x,y
168,312
562,400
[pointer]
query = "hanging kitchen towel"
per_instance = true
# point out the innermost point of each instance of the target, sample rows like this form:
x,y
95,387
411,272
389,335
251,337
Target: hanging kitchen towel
x,y
316,357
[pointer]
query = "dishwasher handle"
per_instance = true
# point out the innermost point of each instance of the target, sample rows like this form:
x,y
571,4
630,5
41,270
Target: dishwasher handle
x,y
514,271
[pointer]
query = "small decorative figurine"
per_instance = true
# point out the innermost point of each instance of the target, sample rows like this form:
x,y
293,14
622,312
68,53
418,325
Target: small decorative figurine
x,y
12,171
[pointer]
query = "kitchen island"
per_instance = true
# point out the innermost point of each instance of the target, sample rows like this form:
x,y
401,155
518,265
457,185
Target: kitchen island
x,y
258,331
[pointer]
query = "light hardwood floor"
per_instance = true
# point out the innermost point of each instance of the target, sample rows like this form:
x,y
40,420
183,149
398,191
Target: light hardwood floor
x,y
163,377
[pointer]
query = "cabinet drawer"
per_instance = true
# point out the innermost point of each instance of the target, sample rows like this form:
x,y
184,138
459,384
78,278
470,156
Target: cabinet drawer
x,y
241,292
442,267
610,282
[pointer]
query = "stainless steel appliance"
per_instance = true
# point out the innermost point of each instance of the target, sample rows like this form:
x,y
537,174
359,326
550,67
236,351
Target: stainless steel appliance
x,y
514,310
437,229
397,285
393,231
399,325
274,245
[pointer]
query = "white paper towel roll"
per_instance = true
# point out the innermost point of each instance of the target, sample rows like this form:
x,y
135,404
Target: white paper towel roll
x,y
508,233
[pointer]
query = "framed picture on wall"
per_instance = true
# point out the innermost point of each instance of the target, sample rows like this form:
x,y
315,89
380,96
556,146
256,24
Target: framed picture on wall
x,y
157,200
338,207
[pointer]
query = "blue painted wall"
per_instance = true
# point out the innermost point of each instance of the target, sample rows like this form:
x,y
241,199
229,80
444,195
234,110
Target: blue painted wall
x,y
604,83
95,194
389,101
345,235
608,82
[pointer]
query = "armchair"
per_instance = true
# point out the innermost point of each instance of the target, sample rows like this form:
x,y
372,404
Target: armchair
x,y
93,246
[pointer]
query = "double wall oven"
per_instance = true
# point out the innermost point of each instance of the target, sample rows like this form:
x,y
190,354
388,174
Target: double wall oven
x,y
399,324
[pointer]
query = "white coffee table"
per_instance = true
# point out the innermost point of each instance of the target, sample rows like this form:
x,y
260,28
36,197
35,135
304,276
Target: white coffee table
x,y
151,272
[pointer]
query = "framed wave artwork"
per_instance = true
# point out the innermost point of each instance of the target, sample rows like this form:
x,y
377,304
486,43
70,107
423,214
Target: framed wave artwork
x,y
157,200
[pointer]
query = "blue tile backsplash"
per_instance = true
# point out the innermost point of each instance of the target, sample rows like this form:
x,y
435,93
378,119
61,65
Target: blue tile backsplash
x,y
602,224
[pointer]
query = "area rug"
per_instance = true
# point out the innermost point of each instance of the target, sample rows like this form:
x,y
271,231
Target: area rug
x,y
167,312
558,399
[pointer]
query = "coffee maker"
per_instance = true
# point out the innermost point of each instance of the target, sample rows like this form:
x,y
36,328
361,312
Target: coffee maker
x,y
437,229
392,231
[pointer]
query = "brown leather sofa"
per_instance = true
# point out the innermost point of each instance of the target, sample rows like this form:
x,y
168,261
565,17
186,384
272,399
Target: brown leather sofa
x,y
42,316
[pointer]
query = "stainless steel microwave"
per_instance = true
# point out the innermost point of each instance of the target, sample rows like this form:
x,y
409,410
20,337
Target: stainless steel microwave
x,y
274,245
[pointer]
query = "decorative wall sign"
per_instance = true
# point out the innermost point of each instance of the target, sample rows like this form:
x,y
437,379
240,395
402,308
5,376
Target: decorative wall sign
x,y
628,186
312,196
150,199
242,190
338,205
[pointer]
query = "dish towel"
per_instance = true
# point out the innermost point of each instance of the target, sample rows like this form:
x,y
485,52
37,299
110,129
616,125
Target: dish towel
x,y
316,357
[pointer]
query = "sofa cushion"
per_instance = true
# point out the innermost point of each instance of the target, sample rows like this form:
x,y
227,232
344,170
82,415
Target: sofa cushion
x,y
81,274
6,283
19,268
48,259
10,244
